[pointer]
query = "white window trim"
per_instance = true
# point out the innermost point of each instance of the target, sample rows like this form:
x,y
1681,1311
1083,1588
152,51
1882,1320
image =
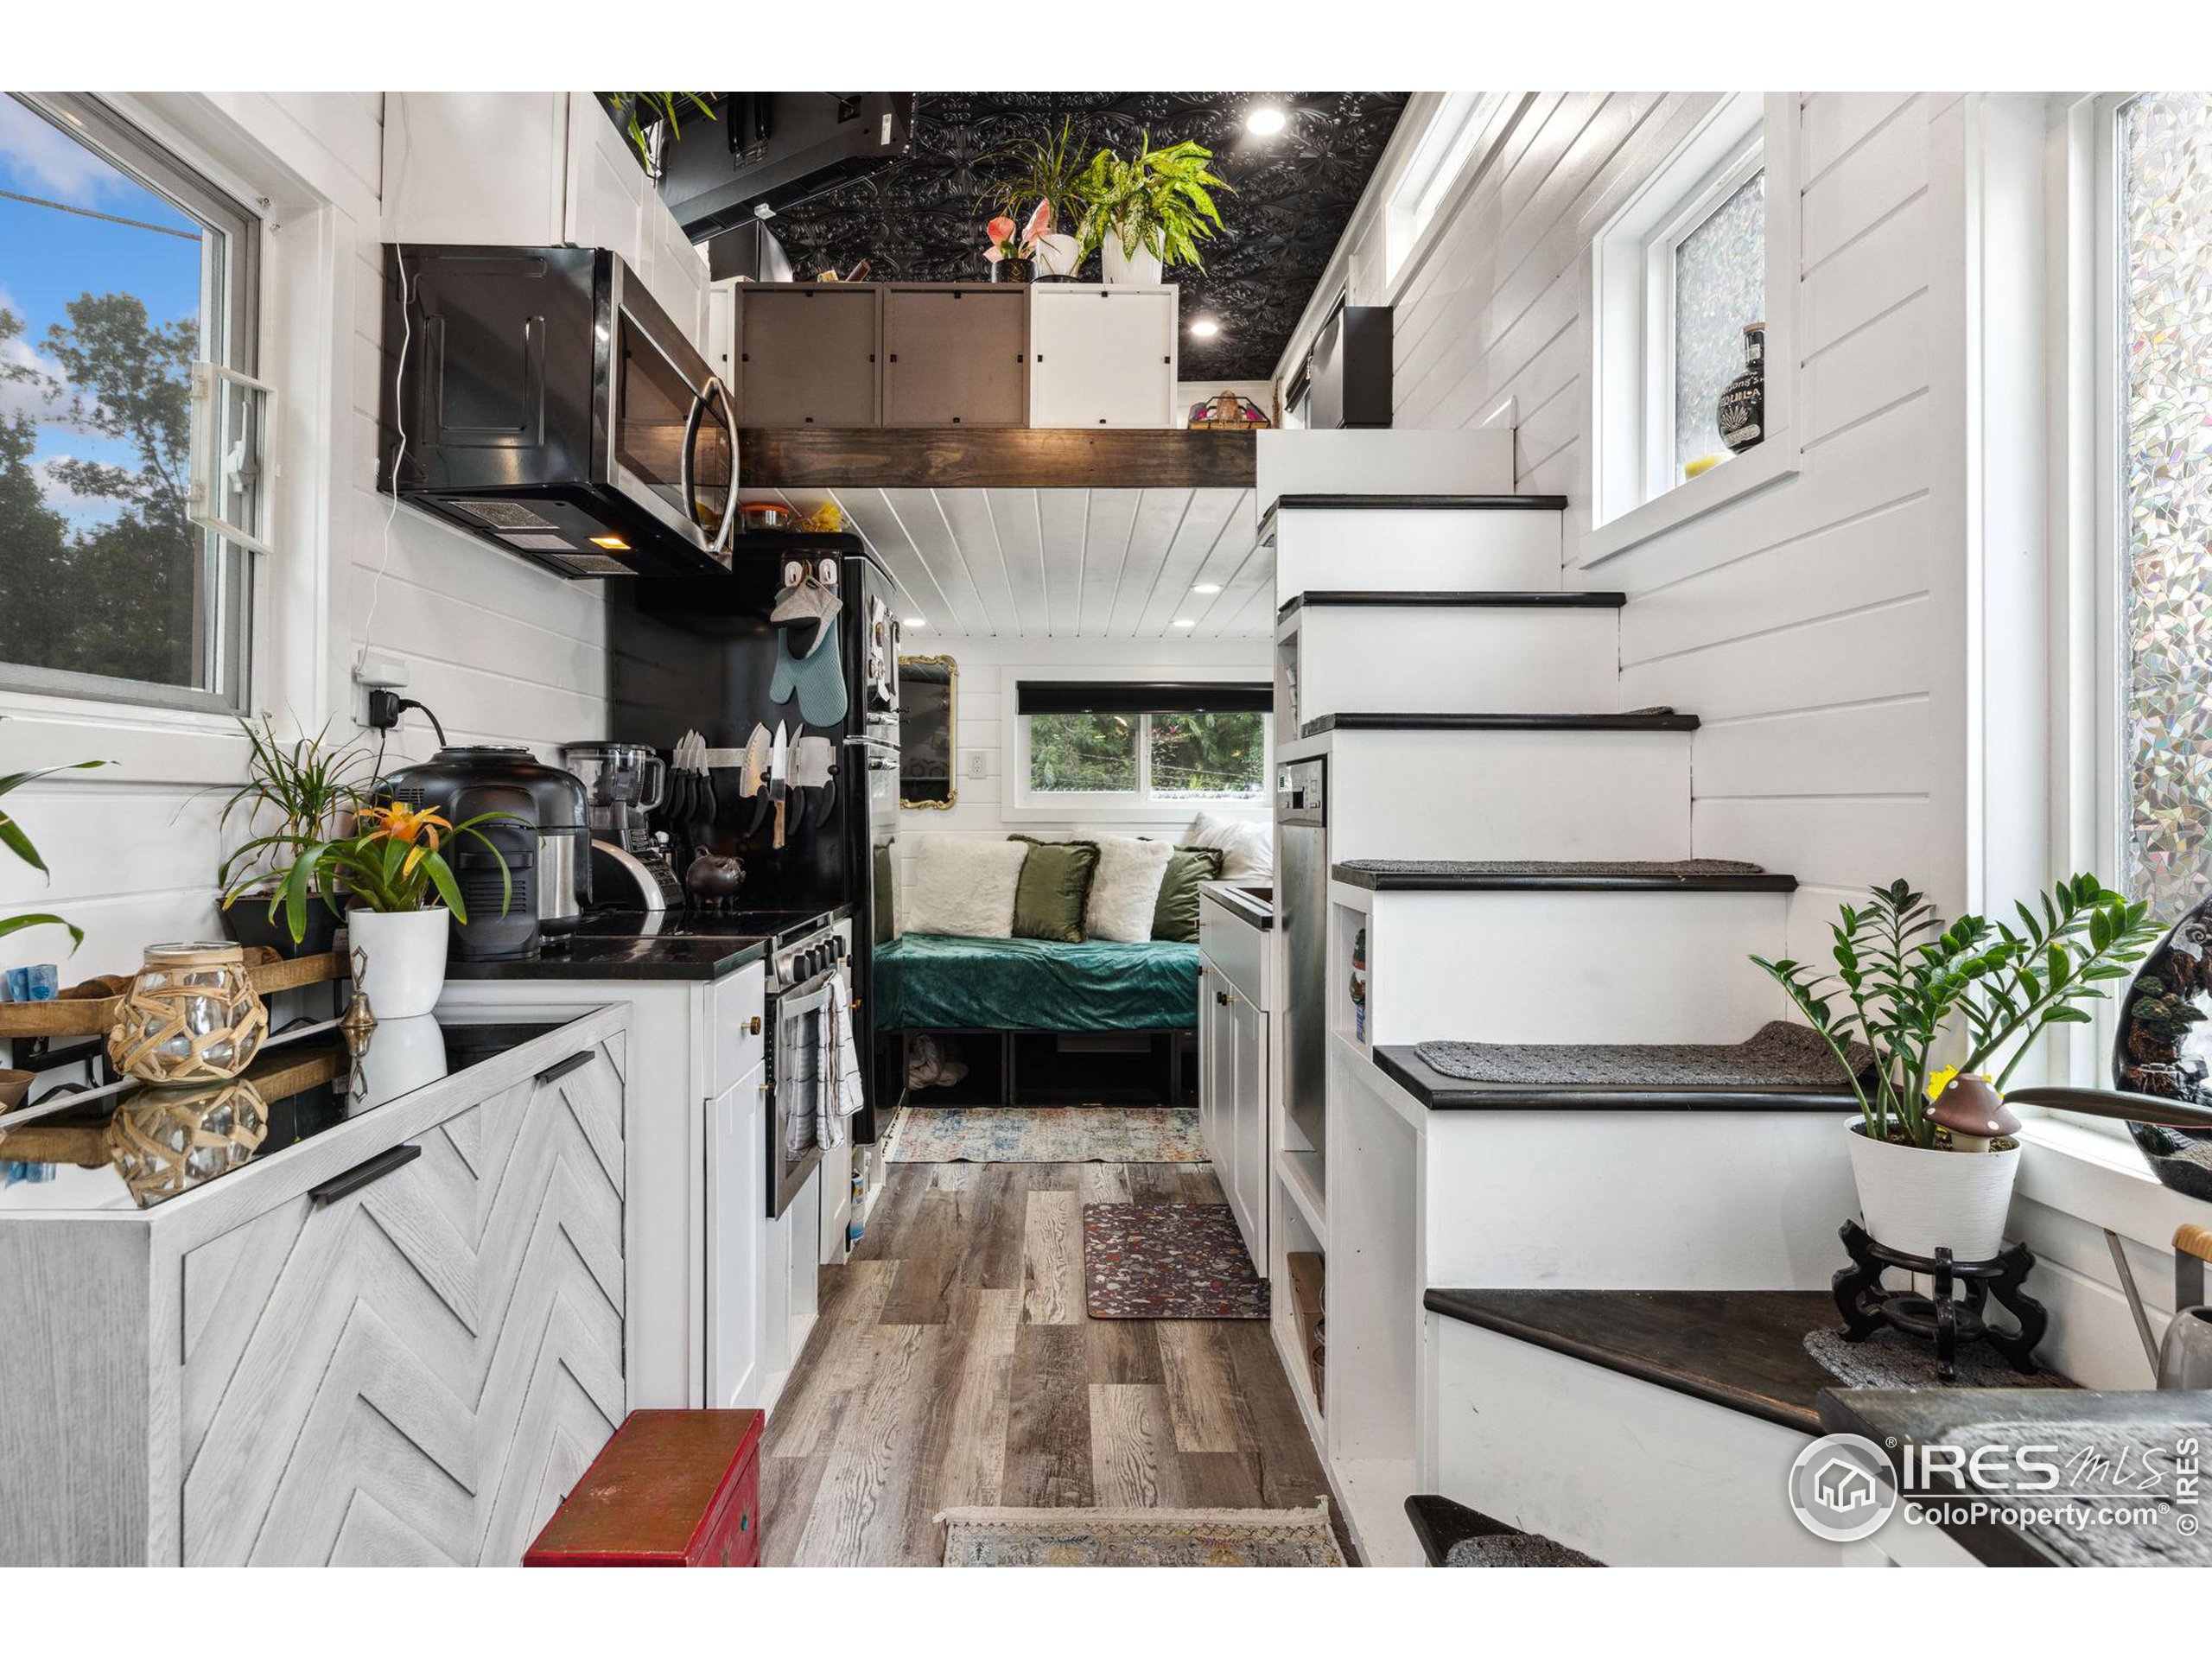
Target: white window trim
x,y
1456,123
1019,803
1618,298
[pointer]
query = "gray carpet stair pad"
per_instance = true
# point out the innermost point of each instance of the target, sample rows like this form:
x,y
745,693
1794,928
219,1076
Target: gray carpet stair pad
x,y
1515,1549
1780,1055
1891,1359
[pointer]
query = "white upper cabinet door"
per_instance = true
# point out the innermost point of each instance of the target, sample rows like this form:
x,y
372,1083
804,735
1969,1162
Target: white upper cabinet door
x,y
1102,356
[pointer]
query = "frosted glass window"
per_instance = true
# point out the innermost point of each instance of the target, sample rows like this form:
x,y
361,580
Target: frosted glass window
x,y
2165,142
1719,289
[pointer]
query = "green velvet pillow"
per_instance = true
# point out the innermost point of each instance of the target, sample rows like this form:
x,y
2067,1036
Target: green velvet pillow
x,y
1176,916
1055,886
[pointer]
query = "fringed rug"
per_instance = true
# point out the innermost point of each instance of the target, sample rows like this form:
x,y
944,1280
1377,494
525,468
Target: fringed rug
x,y
989,1537
1047,1134
1167,1261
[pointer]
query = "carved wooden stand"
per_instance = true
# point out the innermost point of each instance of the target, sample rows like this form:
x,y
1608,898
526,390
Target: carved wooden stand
x,y
1866,1306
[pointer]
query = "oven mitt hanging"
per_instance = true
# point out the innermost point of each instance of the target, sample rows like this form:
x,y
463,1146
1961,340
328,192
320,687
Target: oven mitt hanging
x,y
818,677
808,599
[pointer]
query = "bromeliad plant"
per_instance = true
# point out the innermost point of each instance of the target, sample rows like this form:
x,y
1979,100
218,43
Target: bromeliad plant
x,y
1903,981
394,860
15,841
1158,200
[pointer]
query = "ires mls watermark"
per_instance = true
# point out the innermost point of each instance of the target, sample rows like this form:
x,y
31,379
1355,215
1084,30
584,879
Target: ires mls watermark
x,y
1845,1488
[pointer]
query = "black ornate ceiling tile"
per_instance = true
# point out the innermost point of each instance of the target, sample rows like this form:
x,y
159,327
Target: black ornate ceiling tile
x,y
921,219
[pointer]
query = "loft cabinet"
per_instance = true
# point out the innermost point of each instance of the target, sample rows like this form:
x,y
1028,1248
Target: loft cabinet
x,y
953,355
1104,356
533,169
801,353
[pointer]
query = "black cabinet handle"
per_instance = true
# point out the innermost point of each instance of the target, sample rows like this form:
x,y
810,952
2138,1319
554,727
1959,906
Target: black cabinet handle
x,y
361,1174
575,1062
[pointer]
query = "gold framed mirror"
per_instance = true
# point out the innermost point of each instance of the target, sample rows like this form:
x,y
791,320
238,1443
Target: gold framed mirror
x,y
929,726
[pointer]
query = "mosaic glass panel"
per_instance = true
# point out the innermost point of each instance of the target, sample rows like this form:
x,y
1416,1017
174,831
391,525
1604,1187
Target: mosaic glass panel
x,y
1720,287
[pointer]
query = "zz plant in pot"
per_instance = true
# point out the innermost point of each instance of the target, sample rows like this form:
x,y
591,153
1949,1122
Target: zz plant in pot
x,y
292,797
400,892
1150,210
1931,1153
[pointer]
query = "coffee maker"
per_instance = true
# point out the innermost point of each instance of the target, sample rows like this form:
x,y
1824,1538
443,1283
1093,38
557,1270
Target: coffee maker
x,y
623,783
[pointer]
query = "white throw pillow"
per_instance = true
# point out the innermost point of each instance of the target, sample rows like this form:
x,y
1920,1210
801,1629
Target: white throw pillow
x,y
963,885
1125,890
1248,850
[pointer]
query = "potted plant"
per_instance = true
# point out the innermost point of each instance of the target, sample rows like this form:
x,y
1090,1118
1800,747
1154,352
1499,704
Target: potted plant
x,y
1049,174
1006,252
1932,1154
17,842
648,120
292,798
1149,211
400,893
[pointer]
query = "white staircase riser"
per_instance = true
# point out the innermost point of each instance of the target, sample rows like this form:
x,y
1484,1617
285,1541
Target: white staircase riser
x,y
1395,462
1415,550
1572,967
1565,794
1444,659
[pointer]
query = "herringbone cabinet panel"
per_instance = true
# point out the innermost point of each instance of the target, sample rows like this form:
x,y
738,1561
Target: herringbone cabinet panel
x,y
417,1372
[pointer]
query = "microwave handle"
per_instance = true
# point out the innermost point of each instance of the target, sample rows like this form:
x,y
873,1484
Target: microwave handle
x,y
713,388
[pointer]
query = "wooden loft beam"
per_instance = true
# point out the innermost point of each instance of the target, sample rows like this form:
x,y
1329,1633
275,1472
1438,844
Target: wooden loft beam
x,y
1001,457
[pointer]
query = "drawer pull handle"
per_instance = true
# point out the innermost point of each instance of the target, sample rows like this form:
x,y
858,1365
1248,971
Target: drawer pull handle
x,y
753,1026
575,1062
360,1175
1223,998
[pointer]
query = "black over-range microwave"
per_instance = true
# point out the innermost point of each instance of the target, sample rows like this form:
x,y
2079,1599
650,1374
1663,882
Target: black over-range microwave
x,y
540,398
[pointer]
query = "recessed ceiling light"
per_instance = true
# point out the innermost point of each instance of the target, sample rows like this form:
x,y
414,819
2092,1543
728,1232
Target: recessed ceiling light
x,y
1205,327
1207,587
914,621
612,543
1265,121
1187,622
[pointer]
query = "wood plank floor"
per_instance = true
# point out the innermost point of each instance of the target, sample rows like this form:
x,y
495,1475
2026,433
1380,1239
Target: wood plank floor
x,y
954,1364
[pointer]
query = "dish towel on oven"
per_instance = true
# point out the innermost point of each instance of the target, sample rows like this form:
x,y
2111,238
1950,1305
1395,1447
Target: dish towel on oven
x,y
841,1068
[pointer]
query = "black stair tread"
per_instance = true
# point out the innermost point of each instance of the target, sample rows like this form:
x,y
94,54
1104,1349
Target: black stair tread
x,y
1782,1067
1634,720
1339,501
1440,1524
1469,599
1741,1349
1678,875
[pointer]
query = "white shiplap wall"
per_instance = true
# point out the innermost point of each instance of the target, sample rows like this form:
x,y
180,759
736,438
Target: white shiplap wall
x,y
502,651
1799,622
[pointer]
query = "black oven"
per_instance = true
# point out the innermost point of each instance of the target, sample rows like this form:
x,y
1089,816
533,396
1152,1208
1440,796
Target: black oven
x,y
540,398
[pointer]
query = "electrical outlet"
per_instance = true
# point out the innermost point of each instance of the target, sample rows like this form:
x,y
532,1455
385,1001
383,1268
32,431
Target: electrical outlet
x,y
979,766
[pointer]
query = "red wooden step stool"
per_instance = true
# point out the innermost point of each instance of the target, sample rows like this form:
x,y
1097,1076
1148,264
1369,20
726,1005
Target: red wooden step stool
x,y
671,1488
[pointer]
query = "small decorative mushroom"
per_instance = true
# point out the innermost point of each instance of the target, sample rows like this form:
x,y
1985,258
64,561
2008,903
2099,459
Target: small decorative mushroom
x,y
1974,1113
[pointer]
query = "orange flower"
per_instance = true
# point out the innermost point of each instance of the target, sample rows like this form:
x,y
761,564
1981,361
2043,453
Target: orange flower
x,y
999,232
402,823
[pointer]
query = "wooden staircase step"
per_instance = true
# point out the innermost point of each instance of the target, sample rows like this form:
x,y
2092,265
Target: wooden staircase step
x,y
1500,598
1640,720
1442,1526
1522,875
1782,1068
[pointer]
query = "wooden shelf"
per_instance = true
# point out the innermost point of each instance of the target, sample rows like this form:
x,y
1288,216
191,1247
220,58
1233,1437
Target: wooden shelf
x,y
1301,1179
1004,458
94,1016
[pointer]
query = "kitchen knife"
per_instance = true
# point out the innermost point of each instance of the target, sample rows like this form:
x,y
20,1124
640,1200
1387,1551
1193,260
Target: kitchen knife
x,y
780,780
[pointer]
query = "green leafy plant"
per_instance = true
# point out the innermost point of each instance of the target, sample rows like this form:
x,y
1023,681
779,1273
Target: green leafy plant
x,y
394,860
1903,981
1158,201
13,838
292,798
1049,170
640,112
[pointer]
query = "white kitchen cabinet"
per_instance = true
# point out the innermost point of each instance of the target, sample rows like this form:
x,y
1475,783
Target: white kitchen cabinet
x,y
1234,1066
533,169
1102,355
737,1152
398,1342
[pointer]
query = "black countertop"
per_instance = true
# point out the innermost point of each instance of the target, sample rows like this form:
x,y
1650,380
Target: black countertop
x,y
1255,907
641,944
129,1145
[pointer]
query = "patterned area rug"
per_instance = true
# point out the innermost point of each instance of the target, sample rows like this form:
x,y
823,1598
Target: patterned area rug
x,y
1047,1134
986,1537
1167,1261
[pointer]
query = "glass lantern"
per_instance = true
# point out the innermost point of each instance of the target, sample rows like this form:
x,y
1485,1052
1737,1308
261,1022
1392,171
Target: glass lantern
x,y
192,1015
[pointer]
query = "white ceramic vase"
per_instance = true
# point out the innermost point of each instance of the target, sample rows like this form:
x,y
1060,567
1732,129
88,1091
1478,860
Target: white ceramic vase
x,y
1119,264
403,958
1057,254
402,1055
1919,1200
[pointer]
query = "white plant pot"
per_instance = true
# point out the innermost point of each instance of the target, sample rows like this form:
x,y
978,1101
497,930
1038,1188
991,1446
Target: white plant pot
x,y
403,958
402,1055
1058,254
1920,1201
1117,264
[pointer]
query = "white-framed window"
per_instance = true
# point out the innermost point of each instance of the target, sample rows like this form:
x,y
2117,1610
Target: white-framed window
x,y
130,426
1437,163
1120,748
1692,278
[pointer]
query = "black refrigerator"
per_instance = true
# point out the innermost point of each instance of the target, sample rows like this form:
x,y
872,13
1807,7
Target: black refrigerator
x,y
698,653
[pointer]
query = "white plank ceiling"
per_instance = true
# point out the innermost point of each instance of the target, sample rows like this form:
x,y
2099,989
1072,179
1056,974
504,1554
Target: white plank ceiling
x,y
1092,564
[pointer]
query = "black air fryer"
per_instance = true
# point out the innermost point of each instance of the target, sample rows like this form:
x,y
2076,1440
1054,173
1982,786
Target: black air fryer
x,y
546,844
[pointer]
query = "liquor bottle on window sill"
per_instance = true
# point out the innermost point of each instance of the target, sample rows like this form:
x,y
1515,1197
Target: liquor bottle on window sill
x,y
1742,413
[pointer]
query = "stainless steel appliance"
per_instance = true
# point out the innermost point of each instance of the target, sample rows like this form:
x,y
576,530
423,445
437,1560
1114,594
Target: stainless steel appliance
x,y
1302,912
540,398
800,997
543,841
622,879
